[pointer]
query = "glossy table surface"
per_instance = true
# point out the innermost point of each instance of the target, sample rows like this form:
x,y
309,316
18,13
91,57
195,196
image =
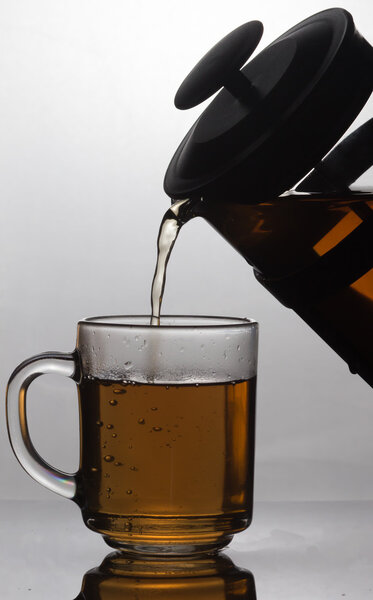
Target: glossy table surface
x,y
304,550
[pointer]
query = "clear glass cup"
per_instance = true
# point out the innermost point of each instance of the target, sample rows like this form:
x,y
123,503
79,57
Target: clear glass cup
x,y
167,429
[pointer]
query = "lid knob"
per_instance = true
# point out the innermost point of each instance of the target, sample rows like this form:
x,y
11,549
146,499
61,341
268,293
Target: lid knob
x,y
220,67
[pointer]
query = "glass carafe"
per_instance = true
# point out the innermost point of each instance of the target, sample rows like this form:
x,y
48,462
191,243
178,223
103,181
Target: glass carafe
x,y
313,252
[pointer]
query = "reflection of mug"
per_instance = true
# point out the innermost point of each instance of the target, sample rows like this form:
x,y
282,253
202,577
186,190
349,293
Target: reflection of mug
x,y
209,578
167,420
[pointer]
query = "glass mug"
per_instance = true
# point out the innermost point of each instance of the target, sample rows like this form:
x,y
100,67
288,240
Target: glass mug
x,y
167,426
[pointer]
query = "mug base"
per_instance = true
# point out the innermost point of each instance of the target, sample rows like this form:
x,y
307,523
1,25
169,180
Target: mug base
x,y
167,549
168,536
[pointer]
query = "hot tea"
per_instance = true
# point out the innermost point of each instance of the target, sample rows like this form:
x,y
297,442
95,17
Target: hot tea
x,y
155,456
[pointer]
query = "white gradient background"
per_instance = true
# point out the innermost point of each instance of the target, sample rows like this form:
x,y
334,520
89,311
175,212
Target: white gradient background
x,y
88,127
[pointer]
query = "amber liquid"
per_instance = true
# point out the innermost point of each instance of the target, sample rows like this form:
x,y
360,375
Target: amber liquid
x,y
176,216
165,465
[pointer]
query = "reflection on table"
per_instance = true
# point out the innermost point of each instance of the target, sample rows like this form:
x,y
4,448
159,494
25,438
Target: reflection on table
x,y
130,577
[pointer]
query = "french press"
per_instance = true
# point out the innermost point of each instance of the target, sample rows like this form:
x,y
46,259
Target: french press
x,y
260,167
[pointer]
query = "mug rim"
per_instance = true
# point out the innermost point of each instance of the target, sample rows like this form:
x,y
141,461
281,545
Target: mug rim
x,y
196,322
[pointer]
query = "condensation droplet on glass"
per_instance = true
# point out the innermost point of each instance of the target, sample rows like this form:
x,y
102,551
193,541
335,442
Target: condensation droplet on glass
x,y
238,348
94,469
154,408
117,463
157,428
113,402
108,458
108,490
99,423
114,435
109,426
141,421
132,468
129,492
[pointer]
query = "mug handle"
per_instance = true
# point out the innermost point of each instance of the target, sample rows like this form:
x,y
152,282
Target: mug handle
x,y
56,363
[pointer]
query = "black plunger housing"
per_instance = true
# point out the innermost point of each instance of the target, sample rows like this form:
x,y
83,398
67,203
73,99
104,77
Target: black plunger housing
x,y
344,164
278,116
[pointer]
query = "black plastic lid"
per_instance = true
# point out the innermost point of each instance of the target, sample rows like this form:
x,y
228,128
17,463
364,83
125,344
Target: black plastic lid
x,y
344,164
278,116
